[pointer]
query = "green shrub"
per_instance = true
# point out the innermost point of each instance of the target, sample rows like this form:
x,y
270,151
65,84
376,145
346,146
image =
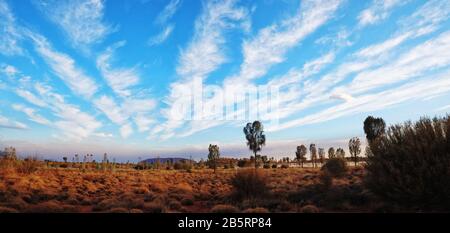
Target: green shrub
x,y
187,202
249,183
410,164
335,167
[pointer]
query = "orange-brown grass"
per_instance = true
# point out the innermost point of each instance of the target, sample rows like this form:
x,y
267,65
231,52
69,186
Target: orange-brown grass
x,y
154,191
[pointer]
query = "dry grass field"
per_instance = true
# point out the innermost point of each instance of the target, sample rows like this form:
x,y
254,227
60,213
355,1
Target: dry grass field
x,y
200,190
406,169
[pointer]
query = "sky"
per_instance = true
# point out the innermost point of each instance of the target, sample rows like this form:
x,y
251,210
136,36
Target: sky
x,y
149,78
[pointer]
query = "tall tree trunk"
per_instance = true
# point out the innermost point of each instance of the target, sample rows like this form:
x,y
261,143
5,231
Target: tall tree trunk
x,y
255,161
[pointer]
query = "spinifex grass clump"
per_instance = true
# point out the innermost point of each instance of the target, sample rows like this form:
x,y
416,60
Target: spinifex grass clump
x,y
335,167
410,164
249,184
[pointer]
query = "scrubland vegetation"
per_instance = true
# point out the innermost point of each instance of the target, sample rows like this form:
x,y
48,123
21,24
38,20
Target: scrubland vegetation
x,y
406,169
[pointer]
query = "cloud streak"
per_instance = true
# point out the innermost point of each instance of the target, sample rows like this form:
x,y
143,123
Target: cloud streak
x,y
81,20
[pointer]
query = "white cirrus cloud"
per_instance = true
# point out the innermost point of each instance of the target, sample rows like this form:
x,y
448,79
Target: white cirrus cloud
x,y
72,122
31,113
64,67
268,48
204,53
8,70
169,10
417,90
119,79
81,20
11,124
270,45
10,34
30,97
162,36
377,11
109,107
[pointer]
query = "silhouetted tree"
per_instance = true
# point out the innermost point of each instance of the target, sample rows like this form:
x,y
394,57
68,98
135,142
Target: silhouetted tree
x,y
331,153
321,155
374,128
340,153
10,153
313,152
354,146
254,134
65,159
300,154
213,156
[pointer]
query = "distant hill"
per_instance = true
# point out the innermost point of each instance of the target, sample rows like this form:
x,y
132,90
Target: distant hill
x,y
164,160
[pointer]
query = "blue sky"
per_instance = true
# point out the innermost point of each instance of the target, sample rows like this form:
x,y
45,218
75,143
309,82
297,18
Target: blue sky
x,y
93,76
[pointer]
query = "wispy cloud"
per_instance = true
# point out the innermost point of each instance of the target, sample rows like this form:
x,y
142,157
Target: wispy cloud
x,y
377,11
11,124
119,79
433,54
8,70
169,10
81,20
203,55
74,123
30,97
108,106
129,105
371,102
269,47
10,35
31,113
162,36
64,67
443,108
272,43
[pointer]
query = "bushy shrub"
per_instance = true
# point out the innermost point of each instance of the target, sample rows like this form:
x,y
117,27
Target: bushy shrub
x,y
326,180
153,207
266,166
187,202
335,167
309,209
118,210
256,210
284,166
249,184
174,205
410,164
182,166
224,209
28,165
